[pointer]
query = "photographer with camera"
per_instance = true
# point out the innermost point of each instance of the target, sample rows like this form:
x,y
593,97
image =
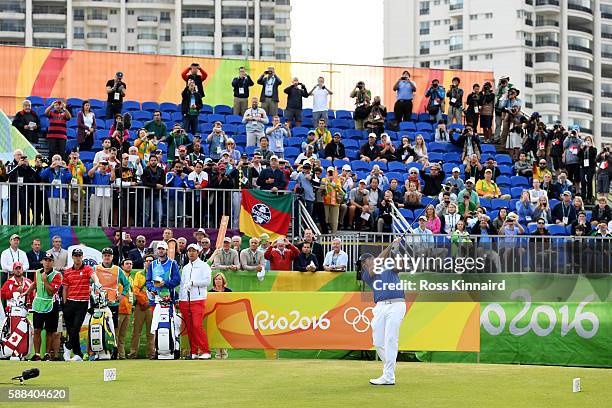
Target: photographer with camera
x,y
100,200
455,102
472,107
435,105
587,156
269,82
405,89
604,166
501,94
19,172
156,126
56,132
571,147
277,133
320,94
362,97
177,137
216,141
58,175
195,73
146,144
191,105
511,109
115,90
241,85
119,135
375,122
295,92
486,108
28,122
255,118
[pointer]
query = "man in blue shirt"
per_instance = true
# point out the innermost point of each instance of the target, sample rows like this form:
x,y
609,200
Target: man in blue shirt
x,y
436,95
177,179
272,178
405,89
388,313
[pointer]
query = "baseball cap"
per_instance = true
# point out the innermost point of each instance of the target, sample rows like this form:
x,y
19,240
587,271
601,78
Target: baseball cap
x,y
337,134
194,246
365,256
273,157
207,160
330,168
17,264
77,252
566,193
372,135
47,255
162,244
243,155
107,251
14,236
201,231
471,180
311,132
362,181
422,217
119,74
227,239
346,167
264,237
456,169
488,171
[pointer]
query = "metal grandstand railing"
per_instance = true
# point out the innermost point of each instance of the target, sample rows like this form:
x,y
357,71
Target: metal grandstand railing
x,y
499,254
304,220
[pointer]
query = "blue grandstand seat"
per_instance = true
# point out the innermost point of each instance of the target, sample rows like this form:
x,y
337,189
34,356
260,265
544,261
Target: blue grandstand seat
x,y
292,152
350,144
307,112
486,203
215,117
71,133
423,117
503,159
555,229
325,164
36,100
280,113
240,140
142,115
169,107
503,181
392,135
299,131
71,144
206,109
87,156
109,123
505,170
437,147
241,129
206,128
498,203
519,181
72,123
234,119
97,104
100,134
340,162
163,147
456,126
177,117
150,106
391,115
452,157
487,148
382,165
424,127
250,150
331,114
531,228
344,114
553,202
100,124
74,102
131,106
223,110
395,175
166,117
137,124
97,145
435,157
230,129
353,134
397,166
428,137
515,192
352,154
409,126
295,142
307,122
360,165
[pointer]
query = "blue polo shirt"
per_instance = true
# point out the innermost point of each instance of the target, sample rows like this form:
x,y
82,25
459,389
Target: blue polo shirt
x,y
378,285
405,91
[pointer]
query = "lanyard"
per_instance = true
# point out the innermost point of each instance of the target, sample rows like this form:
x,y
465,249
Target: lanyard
x,y
12,257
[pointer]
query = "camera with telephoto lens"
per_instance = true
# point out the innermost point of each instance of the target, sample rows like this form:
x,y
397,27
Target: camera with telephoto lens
x,y
120,127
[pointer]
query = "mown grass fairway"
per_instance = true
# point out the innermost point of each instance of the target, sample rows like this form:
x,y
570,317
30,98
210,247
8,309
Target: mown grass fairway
x,y
313,383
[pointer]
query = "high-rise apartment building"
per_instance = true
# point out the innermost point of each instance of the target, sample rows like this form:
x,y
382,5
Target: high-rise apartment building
x,y
557,52
214,28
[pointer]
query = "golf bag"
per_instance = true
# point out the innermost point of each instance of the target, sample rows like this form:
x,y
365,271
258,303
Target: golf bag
x,y
166,327
16,331
101,333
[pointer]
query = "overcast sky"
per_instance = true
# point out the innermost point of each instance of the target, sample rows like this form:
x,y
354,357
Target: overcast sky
x,y
328,31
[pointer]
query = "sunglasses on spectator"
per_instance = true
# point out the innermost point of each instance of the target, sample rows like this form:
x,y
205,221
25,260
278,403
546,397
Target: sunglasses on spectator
x,y
540,223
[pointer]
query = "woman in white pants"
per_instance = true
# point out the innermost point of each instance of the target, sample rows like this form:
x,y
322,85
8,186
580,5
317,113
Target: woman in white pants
x,y
389,311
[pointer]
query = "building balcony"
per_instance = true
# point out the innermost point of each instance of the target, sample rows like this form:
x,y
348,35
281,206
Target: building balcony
x,y
199,20
49,36
455,27
584,91
11,15
581,29
547,43
547,67
456,47
48,17
210,3
580,109
547,87
548,108
195,35
580,48
12,34
547,3
606,55
580,68
571,5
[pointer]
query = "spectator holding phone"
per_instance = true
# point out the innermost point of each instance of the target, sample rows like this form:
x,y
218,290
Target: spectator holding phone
x,y
269,82
241,85
191,105
28,122
156,126
255,118
115,90
57,174
56,132
101,199
405,89
195,73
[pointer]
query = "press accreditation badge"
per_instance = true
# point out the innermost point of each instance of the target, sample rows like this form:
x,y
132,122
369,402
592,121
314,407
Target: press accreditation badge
x,y
241,90
586,162
565,219
117,96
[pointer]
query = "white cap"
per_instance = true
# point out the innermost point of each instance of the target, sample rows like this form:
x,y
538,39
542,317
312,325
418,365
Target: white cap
x,y
372,135
362,181
274,157
346,167
194,246
456,169
162,244
201,231
330,168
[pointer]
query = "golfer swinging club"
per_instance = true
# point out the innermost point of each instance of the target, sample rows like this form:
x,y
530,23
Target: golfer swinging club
x,y
388,313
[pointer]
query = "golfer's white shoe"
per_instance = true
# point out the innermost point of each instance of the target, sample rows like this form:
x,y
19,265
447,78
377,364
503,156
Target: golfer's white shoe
x,y
194,356
66,354
205,356
76,357
381,381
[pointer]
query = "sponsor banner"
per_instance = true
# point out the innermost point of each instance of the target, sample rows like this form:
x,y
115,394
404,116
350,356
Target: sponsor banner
x,y
332,320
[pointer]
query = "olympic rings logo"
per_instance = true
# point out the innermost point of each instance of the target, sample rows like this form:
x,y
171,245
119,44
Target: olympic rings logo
x,y
360,321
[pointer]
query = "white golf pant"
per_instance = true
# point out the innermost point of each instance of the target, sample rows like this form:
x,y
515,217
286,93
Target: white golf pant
x,y
388,316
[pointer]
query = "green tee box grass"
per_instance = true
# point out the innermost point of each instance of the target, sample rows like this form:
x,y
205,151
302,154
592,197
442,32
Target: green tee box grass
x,y
313,383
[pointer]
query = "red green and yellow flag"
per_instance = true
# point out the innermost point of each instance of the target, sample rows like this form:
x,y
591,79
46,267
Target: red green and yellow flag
x,y
265,212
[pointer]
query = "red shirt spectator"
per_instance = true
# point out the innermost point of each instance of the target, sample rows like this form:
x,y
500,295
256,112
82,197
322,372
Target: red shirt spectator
x,y
17,283
281,255
76,282
198,75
